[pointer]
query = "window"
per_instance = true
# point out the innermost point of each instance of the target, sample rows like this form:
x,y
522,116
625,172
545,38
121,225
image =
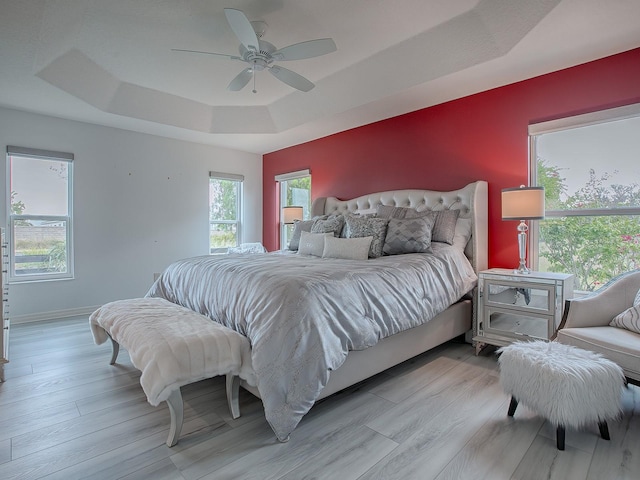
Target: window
x,y
225,211
40,218
295,190
590,168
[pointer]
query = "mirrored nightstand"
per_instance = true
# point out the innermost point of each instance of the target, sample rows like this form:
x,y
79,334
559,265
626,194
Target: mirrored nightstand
x,y
519,307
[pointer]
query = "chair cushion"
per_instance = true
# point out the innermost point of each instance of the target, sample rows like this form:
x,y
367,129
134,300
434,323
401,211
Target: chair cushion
x,y
618,345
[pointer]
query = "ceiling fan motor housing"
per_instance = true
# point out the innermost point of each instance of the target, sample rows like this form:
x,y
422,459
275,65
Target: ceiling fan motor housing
x,y
260,60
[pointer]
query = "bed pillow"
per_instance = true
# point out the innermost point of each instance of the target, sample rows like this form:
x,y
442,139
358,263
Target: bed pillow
x,y
312,243
299,226
333,223
408,235
444,227
347,248
463,233
630,318
364,226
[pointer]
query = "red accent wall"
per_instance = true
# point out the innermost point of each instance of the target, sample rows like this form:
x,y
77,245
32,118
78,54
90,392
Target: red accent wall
x,y
444,147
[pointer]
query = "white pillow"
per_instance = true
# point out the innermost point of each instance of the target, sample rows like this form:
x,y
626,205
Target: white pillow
x,y
347,248
312,243
630,318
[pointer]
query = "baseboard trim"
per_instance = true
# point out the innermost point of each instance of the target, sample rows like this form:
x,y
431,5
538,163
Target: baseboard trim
x,y
53,315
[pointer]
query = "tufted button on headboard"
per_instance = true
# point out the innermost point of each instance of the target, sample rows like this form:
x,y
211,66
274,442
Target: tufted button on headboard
x,y
471,201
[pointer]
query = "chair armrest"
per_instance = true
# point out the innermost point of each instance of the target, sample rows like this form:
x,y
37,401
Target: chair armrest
x,y
599,308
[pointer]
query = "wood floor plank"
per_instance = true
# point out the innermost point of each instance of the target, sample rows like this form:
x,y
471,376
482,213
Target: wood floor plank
x,y
66,414
619,458
5,451
543,461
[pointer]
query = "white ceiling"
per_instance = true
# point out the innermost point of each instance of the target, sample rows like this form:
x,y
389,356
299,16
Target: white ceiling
x,y
109,62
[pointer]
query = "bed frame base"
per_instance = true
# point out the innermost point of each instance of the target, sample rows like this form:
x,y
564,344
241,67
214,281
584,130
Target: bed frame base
x,y
388,352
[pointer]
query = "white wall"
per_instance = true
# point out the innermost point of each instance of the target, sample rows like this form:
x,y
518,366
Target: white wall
x,y
140,202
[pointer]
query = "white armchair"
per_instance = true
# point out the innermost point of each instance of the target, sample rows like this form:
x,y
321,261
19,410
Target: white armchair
x,y
586,324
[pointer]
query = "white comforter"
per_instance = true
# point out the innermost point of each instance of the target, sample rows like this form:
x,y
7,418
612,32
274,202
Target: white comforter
x,y
303,314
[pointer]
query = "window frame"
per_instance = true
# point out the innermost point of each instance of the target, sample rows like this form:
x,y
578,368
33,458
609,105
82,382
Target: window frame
x,y
282,180
239,179
568,123
53,156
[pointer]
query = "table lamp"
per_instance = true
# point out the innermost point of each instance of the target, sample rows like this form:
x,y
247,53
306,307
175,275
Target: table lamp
x,y
523,203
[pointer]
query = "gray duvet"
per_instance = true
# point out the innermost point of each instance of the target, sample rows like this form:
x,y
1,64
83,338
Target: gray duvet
x,y
303,314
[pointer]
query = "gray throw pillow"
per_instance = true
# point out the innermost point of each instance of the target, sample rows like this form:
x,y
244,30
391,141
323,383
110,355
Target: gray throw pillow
x,y
444,227
360,226
408,235
299,226
333,223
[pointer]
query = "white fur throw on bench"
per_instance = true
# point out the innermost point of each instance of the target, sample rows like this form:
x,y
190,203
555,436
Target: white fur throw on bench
x,y
172,346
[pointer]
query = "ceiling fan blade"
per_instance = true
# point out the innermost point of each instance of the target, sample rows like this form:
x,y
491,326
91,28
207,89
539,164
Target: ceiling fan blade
x,y
232,57
241,26
291,78
309,49
241,80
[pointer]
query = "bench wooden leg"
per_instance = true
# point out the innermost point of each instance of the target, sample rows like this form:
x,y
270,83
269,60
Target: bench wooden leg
x,y
176,409
233,394
115,349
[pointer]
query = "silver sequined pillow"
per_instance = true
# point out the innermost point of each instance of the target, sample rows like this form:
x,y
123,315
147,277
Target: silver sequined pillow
x,y
408,235
333,223
359,226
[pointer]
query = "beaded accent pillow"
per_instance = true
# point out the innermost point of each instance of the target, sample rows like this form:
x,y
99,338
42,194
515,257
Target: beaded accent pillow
x,y
333,223
359,226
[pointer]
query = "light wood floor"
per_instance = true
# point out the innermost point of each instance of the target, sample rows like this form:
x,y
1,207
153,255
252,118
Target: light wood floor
x,y
66,413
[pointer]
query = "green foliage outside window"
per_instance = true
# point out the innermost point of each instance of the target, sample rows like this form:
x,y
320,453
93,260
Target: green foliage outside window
x,y
594,248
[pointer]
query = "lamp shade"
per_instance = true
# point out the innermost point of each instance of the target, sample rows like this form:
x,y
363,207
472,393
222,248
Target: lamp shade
x,y
524,203
289,214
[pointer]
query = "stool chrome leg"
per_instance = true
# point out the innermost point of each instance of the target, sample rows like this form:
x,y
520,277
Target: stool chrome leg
x,y
512,406
560,437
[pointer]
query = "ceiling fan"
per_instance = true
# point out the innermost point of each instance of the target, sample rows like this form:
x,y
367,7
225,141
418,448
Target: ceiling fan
x,y
260,55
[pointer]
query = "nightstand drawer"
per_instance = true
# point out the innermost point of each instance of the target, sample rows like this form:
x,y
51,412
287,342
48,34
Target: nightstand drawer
x,y
502,322
521,296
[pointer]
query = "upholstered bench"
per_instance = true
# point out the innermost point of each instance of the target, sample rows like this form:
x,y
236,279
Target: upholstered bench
x,y
173,346
568,386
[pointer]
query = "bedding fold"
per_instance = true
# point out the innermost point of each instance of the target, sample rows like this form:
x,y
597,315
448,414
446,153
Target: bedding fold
x,y
303,314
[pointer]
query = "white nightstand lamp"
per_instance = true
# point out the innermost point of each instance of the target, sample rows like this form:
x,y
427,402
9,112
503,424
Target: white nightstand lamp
x,y
524,203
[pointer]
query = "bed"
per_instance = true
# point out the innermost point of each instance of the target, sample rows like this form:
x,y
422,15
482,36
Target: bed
x,y
322,324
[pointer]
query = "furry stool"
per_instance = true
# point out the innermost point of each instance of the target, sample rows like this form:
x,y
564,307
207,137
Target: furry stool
x,y
568,386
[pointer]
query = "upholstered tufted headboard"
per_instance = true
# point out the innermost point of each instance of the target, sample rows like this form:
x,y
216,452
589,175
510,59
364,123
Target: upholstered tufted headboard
x,y
470,200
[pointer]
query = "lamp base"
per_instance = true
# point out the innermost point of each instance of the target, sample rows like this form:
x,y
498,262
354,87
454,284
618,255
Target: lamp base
x,y
522,270
522,249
